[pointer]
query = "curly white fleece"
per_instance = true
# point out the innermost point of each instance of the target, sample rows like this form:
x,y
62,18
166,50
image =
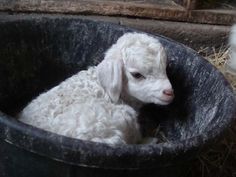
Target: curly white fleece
x,y
100,104
80,108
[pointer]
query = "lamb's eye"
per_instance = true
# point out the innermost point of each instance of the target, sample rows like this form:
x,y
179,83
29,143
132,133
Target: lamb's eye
x,y
137,75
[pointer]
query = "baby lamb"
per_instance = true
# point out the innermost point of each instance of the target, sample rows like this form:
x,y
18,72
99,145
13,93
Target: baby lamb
x,y
101,104
232,41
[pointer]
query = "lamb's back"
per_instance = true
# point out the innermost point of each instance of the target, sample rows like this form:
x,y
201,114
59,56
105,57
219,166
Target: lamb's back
x,y
75,90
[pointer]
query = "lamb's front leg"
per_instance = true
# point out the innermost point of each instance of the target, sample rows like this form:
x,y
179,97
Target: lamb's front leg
x,y
123,126
126,128
100,121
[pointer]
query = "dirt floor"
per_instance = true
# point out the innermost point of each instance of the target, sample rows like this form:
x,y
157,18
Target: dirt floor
x,y
220,160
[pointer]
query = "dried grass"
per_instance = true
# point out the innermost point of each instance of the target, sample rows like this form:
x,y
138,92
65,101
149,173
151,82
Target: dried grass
x,y
219,58
219,160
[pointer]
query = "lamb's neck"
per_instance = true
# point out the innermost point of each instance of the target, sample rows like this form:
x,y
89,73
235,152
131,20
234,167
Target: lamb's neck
x,y
131,101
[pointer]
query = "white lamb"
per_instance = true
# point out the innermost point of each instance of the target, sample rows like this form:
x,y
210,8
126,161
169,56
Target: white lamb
x,y
101,104
232,41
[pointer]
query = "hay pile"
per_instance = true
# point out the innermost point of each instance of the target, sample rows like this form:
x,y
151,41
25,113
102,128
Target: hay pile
x,y
216,57
220,160
219,58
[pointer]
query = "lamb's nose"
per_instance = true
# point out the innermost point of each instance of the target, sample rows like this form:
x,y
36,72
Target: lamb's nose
x,y
168,92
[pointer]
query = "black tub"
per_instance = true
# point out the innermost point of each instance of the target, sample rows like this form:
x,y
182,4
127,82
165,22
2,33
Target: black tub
x,y
37,52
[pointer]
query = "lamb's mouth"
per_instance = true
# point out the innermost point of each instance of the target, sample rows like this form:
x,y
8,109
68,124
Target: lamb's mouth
x,y
163,101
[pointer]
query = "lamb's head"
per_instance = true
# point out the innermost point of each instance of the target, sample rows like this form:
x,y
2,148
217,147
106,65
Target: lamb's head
x,y
136,65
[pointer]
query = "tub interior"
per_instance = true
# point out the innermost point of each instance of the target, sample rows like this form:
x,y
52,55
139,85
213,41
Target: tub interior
x,y
37,54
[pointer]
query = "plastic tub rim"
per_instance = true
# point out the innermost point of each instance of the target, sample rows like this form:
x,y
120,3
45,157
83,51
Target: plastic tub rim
x,y
157,149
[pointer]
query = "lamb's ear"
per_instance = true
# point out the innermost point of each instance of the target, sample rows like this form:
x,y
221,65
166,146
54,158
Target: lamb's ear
x,y
110,74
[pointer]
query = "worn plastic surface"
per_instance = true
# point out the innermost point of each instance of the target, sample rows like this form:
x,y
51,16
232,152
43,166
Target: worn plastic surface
x,y
37,52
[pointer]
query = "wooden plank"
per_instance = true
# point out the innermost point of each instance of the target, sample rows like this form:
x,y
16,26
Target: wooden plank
x,y
220,17
161,11
95,7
